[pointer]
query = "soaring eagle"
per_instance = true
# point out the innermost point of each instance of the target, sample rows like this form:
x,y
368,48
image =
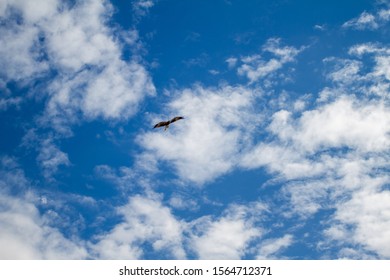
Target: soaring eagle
x,y
167,123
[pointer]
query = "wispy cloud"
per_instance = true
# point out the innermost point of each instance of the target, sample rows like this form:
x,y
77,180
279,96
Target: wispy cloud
x,y
368,21
320,27
141,7
26,233
49,155
123,178
51,158
364,21
255,67
231,61
200,61
271,247
5,103
345,71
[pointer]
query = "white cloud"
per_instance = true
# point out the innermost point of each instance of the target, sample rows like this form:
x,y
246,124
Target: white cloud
x,y
271,247
214,72
141,7
76,43
5,103
255,67
24,232
303,145
382,66
384,14
364,21
231,61
73,59
278,158
368,212
50,158
183,202
368,48
355,254
144,3
206,143
368,20
320,27
33,11
78,37
12,177
146,221
125,91
20,53
224,239
346,71
331,156
378,77
114,88
324,156
123,178
229,236
25,235
346,122
381,57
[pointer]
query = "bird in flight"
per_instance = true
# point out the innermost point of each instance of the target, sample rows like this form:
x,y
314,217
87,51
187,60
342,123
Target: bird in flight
x,y
167,123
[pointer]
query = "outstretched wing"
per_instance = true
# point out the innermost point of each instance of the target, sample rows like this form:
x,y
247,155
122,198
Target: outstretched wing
x,y
175,119
160,124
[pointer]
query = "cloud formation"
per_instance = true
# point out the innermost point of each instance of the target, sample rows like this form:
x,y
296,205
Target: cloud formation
x,y
68,55
25,232
146,221
74,46
206,144
332,156
368,21
229,236
255,67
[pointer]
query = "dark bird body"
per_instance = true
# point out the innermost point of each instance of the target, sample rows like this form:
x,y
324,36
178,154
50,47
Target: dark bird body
x,y
167,123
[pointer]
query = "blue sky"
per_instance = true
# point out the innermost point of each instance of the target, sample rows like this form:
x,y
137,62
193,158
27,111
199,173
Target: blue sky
x,y
283,152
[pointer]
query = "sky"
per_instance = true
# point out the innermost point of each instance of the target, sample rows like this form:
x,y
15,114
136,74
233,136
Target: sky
x,y
283,152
